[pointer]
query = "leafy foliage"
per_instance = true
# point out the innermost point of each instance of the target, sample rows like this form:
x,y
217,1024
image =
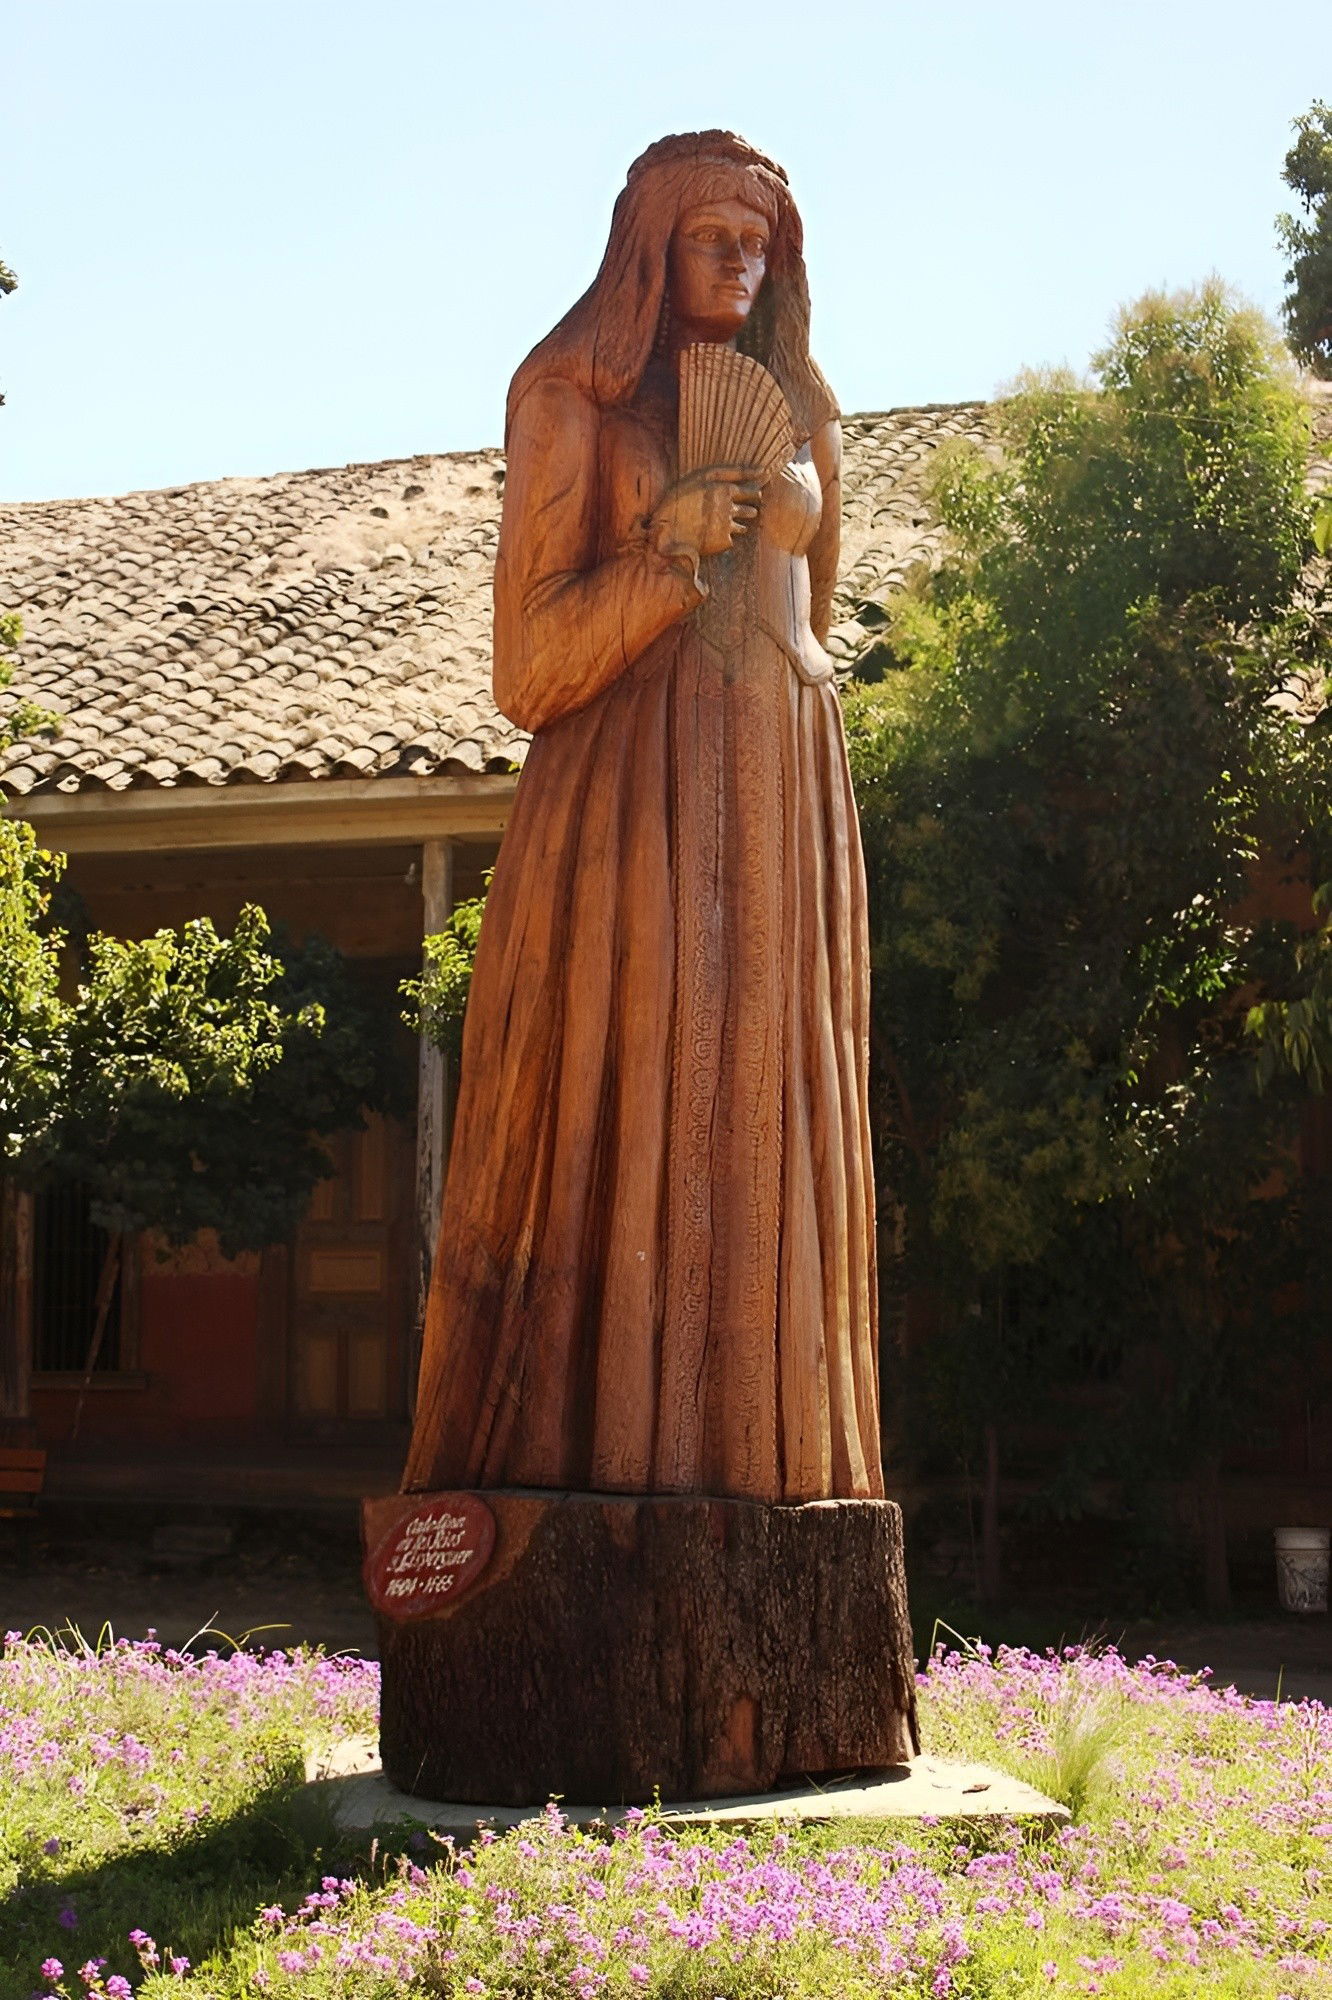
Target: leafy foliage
x,y
31,1013
1066,788
1295,1035
8,284
189,1076
1307,308
439,995
1323,524
19,717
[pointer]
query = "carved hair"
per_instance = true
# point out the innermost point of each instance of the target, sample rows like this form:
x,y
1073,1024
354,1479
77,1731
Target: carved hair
x,y
603,343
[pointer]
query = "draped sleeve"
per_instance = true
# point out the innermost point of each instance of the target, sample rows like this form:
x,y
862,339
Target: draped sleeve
x,y
568,621
825,448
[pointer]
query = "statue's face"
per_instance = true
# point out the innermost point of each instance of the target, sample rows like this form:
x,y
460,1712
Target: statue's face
x,y
718,257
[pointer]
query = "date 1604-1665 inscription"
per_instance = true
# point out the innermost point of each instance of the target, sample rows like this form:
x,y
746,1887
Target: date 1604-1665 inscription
x,y
429,1560
431,1555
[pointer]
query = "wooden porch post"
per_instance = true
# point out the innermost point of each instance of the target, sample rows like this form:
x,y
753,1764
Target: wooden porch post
x,y
433,1106
15,1307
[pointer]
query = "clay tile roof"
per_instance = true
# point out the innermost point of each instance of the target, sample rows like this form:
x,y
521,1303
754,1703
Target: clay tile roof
x,y
337,622
315,624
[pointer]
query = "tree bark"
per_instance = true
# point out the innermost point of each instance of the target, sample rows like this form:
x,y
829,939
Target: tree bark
x,y
614,1646
106,1291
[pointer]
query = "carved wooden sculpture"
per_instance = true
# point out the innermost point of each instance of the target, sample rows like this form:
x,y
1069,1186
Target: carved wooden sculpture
x,y
655,1272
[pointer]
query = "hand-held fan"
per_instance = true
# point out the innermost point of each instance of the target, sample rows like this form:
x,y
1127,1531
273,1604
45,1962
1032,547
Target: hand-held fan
x,y
732,412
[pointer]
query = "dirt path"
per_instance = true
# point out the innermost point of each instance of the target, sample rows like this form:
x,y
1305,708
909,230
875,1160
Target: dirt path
x,y
292,1579
284,1580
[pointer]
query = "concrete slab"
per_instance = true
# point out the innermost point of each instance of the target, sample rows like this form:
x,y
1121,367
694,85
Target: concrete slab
x,y
930,1788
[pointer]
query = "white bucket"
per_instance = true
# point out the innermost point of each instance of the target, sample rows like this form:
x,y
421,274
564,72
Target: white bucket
x,y
1302,1561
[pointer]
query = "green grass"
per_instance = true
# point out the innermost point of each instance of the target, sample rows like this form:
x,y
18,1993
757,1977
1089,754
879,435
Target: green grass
x,y
140,1791
145,1794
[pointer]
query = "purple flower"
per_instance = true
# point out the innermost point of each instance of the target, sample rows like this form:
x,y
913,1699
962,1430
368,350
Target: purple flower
x,y
51,1846
52,1969
118,1987
68,1919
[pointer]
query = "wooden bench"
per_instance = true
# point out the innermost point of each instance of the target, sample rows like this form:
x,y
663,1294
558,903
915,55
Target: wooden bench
x,y
22,1471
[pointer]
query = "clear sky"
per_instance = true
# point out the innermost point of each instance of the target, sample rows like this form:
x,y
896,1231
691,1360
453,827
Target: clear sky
x,y
269,234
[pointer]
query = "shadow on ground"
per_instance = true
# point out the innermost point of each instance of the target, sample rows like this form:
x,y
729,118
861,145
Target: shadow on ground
x,y
192,1893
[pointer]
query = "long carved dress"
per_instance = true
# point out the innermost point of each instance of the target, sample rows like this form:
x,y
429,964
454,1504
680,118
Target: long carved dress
x,y
655,1269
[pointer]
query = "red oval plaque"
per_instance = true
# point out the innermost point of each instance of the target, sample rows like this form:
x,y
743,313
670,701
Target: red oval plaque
x,y
431,1556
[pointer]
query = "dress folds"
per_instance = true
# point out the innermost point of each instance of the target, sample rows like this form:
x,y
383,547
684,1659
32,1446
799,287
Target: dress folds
x,y
656,1269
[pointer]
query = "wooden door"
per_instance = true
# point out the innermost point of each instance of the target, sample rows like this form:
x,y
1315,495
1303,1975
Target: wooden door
x,y
350,1282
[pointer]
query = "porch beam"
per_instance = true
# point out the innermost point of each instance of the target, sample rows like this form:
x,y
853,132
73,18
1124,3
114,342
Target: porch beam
x,y
433,1104
297,813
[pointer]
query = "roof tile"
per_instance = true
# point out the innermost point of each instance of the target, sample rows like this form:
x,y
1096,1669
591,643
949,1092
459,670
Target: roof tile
x,y
250,630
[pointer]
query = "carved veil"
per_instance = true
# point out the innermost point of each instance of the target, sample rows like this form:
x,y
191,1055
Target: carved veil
x,y
604,342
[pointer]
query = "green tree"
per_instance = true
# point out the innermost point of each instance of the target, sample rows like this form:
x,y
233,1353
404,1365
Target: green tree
x,y
31,1015
29,961
188,1079
1307,241
439,994
8,284
1067,774
1295,1034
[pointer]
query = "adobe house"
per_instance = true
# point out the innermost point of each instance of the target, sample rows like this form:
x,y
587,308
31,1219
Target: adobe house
x,y
278,690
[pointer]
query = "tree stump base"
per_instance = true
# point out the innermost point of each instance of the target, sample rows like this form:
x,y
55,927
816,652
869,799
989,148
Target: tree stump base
x,y
608,1648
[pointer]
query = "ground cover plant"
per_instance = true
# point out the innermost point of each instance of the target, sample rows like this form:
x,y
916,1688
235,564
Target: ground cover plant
x,y
155,1838
138,1785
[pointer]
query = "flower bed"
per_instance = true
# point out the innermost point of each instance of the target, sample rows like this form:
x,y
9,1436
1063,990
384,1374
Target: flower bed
x,y
1198,1858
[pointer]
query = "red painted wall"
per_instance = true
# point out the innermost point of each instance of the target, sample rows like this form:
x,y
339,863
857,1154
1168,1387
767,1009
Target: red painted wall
x,y
198,1347
198,1361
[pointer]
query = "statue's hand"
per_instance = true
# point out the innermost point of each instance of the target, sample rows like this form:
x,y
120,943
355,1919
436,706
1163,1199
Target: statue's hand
x,y
706,512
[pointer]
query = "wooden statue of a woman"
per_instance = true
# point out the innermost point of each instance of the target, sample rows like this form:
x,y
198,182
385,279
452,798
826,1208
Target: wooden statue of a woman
x,y
655,1268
